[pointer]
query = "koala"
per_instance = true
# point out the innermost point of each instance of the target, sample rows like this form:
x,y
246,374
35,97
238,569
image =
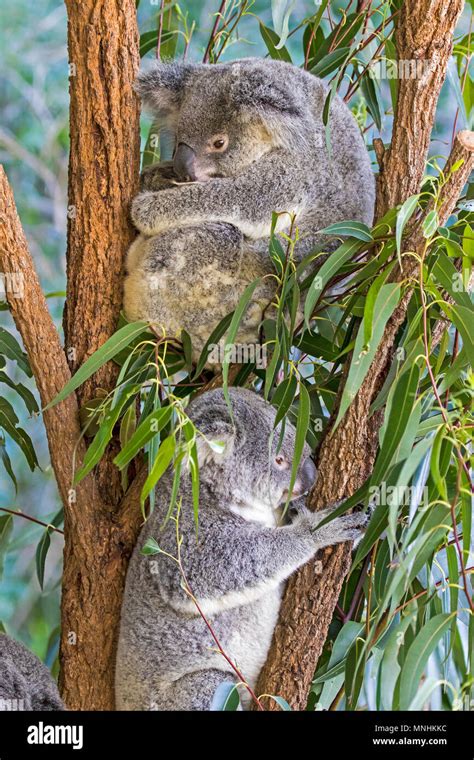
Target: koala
x,y
249,140
235,564
25,683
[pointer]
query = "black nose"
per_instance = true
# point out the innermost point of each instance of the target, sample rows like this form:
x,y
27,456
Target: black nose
x,y
184,163
308,474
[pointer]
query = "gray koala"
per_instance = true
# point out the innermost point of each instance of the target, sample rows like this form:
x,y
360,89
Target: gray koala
x,y
236,565
25,683
249,140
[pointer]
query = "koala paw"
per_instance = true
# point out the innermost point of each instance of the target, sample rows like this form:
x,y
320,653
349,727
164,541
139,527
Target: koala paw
x,y
345,528
144,212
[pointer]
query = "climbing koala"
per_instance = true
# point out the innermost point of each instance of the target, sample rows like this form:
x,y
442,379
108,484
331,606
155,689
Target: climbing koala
x,y
249,140
25,683
235,566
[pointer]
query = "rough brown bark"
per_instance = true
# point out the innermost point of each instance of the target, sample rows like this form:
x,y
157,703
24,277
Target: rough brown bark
x,y
103,175
42,344
425,31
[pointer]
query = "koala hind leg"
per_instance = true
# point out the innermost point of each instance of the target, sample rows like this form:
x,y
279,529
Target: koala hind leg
x,y
192,692
191,277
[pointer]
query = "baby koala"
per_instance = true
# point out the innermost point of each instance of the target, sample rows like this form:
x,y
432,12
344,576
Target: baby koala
x,y
235,566
25,683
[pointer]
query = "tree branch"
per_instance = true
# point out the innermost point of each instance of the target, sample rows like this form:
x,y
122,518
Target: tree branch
x,y
104,162
423,38
41,341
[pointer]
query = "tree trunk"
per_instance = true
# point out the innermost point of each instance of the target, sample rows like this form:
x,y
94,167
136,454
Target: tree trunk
x,y
103,176
424,32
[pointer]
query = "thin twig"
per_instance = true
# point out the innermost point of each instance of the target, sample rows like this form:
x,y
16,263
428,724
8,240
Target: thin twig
x,y
17,513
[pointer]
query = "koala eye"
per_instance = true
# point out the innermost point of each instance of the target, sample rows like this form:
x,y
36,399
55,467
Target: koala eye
x,y
281,462
218,143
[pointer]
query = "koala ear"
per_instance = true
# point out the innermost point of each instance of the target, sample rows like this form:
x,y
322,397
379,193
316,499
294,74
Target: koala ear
x,y
254,89
161,87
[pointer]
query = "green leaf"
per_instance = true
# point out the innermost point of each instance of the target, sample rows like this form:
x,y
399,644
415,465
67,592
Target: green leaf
x,y
111,347
430,224
385,304
453,571
8,421
330,62
369,91
160,465
232,701
370,300
225,697
302,424
391,55
281,12
357,230
7,463
234,326
406,211
354,673
435,472
390,667
10,347
333,676
104,434
332,265
149,40
23,392
149,427
193,461
6,527
463,318
188,350
271,40
424,644
341,36
214,338
450,279
400,411
150,547
282,703
41,553
283,397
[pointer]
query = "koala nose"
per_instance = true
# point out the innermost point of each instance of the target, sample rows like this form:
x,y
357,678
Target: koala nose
x,y
184,163
308,474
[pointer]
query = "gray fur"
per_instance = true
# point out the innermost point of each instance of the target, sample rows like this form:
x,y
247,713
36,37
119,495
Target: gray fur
x,y
276,160
236,568
25,683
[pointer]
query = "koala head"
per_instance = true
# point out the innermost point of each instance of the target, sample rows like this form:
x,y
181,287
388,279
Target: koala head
x,y
243,460
223,117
